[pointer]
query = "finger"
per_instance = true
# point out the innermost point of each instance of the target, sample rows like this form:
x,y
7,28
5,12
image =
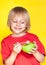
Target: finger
x,y
35,44
34,48
17,45
32,51
29,52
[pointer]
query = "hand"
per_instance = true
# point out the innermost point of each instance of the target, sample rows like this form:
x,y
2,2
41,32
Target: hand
x,y
34,49
17,48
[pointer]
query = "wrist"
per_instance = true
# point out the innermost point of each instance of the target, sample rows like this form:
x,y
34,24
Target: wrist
x,y
14,52
34,53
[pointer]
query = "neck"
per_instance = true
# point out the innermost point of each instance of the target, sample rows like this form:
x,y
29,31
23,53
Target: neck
x,y
18,35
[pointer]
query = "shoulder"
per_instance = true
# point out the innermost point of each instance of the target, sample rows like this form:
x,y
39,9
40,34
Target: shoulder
x,y
6,38
32,35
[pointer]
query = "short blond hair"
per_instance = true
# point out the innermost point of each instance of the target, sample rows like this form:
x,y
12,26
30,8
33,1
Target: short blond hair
x,y
19,10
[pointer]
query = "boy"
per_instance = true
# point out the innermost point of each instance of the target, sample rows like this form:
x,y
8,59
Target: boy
x,y
12,54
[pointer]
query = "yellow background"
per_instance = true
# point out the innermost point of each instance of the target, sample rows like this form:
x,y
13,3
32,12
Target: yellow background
x,y
37,12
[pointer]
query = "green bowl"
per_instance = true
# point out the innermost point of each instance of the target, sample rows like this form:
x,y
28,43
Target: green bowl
x,y
28,47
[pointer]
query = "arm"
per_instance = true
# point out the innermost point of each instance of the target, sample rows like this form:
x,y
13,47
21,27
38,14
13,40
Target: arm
x,y
10,60
39,51
16,50
38,56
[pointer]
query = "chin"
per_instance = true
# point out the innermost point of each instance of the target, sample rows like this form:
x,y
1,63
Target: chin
x,y
17,32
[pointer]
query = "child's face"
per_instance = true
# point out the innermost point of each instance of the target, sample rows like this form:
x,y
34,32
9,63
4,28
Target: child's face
x,y
18,25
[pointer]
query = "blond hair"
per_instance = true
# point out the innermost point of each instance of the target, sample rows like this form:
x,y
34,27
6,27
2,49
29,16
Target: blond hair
x,y
18,10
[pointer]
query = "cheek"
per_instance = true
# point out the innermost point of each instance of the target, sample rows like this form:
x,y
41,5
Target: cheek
x,y
23,25
13,24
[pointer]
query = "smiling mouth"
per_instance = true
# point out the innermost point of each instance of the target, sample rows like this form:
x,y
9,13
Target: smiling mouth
x,y
17,28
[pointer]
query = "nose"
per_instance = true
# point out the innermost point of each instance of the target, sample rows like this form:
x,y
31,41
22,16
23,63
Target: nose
x,y
18,23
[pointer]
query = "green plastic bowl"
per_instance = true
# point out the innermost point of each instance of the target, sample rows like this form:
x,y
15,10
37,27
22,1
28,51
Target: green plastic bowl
x,y
28,47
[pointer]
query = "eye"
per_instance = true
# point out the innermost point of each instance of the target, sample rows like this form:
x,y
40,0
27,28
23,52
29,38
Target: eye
x,y
15,21
22,22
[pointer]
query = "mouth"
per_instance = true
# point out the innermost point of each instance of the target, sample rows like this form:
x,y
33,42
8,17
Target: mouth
x,y
17,28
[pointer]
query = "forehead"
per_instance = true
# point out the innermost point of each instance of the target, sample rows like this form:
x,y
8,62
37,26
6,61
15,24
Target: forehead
x,y
18,15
